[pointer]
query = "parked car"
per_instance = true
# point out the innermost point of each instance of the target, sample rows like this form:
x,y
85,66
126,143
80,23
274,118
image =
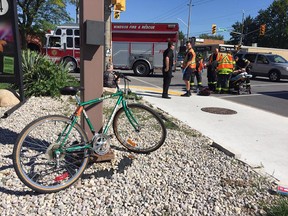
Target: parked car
x,y
273,66
179,61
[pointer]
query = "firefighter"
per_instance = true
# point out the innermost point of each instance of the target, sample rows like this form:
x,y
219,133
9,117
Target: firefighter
x,y
243,65
211,70
197,72
189,65
224,71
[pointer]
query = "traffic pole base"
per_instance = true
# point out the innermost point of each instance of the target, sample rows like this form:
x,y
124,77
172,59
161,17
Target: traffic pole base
x,y
95,158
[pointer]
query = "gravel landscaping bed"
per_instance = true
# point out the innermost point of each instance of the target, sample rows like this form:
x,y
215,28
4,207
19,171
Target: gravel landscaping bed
x,y
186,176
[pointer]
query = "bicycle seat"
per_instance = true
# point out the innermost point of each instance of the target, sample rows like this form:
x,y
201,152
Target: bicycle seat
x,y
70,90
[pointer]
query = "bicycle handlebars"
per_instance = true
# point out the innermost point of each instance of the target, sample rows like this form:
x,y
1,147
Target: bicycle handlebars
x,y
120,75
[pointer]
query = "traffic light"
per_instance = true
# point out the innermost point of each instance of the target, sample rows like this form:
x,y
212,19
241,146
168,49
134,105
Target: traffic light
x,y
262,29
214,29
116,15
119,5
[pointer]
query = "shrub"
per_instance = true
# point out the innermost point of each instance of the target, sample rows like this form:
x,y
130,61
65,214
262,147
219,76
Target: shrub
x,y
42,76
280,208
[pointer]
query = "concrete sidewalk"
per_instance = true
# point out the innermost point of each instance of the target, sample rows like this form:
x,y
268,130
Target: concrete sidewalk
x,y
256,137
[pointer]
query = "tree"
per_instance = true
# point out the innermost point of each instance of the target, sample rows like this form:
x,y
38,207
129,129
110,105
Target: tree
x,y
35,17
76,3
275,17
181,35
250,32
213,37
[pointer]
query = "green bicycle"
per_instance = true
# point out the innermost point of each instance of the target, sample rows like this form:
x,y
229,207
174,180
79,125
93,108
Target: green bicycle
x,y
52,152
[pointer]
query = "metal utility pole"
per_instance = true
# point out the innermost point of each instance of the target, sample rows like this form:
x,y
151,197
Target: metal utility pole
x,y
188,28
108,35
242,29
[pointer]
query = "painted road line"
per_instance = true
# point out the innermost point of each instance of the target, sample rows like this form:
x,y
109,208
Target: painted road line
x,y
149,84
152,89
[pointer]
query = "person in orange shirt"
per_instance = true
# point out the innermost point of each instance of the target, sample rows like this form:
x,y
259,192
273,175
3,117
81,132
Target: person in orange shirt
x,y
197,73
189,65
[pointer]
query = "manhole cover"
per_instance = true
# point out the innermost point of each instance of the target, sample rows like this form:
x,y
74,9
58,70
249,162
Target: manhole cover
x,y
218,110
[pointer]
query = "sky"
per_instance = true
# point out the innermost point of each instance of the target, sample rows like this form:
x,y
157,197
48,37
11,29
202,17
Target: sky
x,y
204,13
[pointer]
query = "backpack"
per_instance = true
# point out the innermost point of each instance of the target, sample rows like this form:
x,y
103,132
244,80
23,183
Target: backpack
x,y
109,80
204,92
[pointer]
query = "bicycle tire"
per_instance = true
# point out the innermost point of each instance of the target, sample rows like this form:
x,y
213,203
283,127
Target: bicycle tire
x,y
34,160
152,131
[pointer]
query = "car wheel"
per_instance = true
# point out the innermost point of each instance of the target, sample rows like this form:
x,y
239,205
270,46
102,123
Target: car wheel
x,y
141,68
274,76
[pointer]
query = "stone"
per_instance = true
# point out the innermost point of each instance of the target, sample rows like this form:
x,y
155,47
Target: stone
x,y
7,98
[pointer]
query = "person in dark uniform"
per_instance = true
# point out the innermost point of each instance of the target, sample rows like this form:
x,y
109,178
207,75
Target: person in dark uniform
x,y
242,63
168,59
211,70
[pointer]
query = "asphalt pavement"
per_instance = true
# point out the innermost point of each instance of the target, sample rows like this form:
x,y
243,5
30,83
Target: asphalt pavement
x,y
252,135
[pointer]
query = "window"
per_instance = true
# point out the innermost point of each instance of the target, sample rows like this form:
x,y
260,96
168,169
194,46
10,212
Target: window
x,y
276,59
262,59
58,32
54,42
69,32
77,42
250,57
77,32
70,42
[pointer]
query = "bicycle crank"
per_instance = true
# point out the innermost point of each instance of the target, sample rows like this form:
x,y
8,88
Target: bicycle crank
x,y
101,144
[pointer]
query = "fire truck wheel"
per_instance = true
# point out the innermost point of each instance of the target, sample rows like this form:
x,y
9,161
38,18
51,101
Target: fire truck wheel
x,y
141,68
71,64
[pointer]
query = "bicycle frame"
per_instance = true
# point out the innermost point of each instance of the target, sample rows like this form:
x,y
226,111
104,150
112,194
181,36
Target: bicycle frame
x,y
80,109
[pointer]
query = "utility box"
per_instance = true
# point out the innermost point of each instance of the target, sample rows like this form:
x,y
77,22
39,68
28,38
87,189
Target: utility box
x,y
95,31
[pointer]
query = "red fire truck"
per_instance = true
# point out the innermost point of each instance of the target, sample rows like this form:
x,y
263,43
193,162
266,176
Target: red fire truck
x,y
136,46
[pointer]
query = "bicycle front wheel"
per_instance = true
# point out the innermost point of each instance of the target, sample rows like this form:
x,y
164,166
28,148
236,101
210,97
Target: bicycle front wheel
x,y
148,132
34,155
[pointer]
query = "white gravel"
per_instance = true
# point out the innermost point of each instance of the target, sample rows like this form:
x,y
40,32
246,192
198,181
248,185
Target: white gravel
x,y
186,176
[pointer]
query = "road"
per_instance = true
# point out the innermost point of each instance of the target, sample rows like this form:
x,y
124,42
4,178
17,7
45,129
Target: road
x,y
266,95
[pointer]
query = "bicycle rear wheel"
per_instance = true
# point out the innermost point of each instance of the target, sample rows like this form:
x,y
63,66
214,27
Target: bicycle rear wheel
x,y
34,157
150,131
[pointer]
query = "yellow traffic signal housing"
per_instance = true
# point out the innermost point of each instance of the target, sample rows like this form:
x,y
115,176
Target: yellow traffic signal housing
x,y
116,15
262,29
214,29
119,5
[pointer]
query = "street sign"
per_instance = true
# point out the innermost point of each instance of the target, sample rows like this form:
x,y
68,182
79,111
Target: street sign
x,y
222,29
